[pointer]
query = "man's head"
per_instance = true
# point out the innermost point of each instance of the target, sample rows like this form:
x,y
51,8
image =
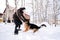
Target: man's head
x,y
22,8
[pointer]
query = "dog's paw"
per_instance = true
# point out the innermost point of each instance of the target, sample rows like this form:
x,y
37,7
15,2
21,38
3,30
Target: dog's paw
x,y
25,30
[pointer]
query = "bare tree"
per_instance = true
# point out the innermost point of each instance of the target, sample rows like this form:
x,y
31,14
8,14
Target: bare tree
x,y
6,14
46,6
55,10
15,5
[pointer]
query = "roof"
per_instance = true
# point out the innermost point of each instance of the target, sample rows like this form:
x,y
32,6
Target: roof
x,y
1,13
10,8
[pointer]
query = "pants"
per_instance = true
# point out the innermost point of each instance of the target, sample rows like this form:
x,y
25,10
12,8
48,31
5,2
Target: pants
x,y
17,25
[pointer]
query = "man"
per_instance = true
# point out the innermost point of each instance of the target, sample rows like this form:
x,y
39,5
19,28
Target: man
x,y
18,18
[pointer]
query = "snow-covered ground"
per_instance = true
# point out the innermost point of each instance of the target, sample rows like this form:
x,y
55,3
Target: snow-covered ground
x,y
45,33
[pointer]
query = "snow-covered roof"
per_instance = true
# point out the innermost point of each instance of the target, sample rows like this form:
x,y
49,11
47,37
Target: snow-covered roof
x,y
1,13
9,7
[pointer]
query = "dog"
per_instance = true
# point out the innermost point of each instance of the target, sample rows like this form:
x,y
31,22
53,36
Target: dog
x,y
34,27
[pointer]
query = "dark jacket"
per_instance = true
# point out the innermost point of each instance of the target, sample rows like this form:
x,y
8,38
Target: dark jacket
x,y
18,16
16,19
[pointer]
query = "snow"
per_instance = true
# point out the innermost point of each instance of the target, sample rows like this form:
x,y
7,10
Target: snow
x,y
46,33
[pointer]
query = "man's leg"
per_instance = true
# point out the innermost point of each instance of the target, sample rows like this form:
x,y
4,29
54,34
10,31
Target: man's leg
x,y
19,28
16,30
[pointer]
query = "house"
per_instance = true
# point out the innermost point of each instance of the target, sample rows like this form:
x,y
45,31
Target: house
x,y
1,17
8,14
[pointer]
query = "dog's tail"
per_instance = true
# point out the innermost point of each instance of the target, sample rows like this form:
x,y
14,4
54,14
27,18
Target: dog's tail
x,y
43,25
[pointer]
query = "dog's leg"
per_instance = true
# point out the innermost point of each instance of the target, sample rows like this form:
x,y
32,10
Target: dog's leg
x,y
35,30
26,27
